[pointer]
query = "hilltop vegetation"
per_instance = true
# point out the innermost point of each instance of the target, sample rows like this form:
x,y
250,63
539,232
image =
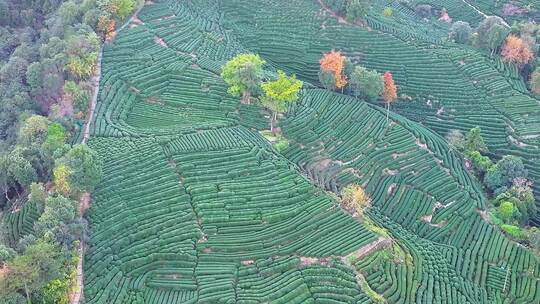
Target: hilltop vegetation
x,y
332,151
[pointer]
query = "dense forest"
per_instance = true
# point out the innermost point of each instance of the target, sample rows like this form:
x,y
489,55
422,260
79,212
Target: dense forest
x,y
48,55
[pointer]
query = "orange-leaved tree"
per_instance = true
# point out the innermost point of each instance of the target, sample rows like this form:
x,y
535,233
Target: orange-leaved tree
x,y
516,51
333,63
390,91
106,27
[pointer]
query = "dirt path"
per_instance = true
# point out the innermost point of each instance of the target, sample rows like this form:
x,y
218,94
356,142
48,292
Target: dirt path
x,y
95,83
76,293
332,13
482,13
381,242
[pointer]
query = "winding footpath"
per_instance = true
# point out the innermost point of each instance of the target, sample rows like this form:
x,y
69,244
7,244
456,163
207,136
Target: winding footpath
x,y
76,293
482,13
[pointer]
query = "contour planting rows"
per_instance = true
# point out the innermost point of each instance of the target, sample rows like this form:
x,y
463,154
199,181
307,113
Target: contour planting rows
x,y
400,162
187,223
196,207
450,87
419,189
21,222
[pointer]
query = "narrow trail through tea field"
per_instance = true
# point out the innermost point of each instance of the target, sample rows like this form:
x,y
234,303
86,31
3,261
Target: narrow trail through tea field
x,y
84,202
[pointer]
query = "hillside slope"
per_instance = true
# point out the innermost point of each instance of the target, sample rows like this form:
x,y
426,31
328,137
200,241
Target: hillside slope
x,y
196,207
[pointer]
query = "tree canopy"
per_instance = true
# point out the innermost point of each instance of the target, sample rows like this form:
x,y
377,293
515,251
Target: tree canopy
x,y
332,63
474,141
516,51
460,32
278,93
491,33
357,9
367,84
389,92
501,176
243,74
82,167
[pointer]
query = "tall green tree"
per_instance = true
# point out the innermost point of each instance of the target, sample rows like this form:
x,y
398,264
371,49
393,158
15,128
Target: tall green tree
x,y
367,84
59,213
56,137
82,51
243,74
460,32
506,211
69,12
491,33
16,172
278,93
118,8
474,141
31,271
33,130
357,9
85,168
501,176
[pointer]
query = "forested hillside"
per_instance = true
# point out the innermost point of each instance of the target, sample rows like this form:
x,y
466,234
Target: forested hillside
x,y
49,53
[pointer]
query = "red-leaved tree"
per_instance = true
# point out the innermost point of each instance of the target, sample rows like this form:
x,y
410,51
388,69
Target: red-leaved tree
x,y
390,92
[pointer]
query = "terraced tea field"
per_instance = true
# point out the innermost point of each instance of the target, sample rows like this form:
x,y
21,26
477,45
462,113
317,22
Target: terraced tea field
x,y
481,92
197,207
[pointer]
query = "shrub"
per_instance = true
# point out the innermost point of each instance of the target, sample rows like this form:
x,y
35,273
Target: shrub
x,y
522,196
533,235
6,254
514,232
327,80
456,139
366,84
480,162
281,144
337,6
388,12
474,141
354,197
506,211
424,10
535,81
460,32
357,9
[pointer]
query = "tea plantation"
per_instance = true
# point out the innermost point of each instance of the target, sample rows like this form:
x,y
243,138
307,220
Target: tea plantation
x,y
196,206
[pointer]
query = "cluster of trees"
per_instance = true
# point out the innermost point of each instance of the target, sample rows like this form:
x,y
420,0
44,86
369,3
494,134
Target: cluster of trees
x,y
507,184
245,76
48,54
337,72
516,44
353,10
39,266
